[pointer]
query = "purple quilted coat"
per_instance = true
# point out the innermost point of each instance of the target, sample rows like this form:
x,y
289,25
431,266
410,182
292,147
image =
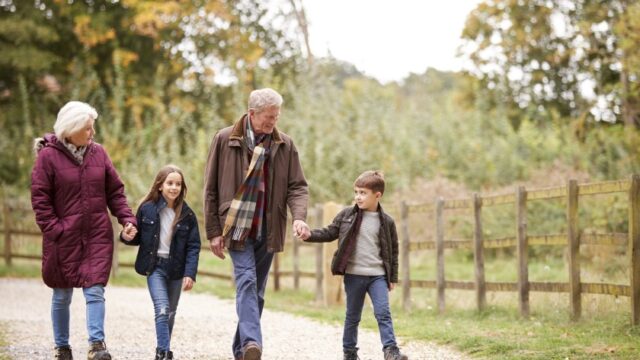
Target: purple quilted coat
x,y
70,202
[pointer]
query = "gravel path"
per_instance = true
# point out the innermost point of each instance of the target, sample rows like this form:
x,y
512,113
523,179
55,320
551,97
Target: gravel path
x,y
203,329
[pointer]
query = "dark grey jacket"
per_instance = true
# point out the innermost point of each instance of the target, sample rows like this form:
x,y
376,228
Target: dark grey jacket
x,y
341,228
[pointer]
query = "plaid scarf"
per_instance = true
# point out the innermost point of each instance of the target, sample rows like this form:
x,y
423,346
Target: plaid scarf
x,y
247,208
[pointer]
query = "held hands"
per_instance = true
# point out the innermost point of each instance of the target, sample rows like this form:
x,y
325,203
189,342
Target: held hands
x,y
187,283
129,232
301,229
217,246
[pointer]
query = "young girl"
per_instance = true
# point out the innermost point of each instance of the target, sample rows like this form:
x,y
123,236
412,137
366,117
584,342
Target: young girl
x,y
169,246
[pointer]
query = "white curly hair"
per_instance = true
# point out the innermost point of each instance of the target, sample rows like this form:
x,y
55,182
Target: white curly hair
x,y
263,99
73,116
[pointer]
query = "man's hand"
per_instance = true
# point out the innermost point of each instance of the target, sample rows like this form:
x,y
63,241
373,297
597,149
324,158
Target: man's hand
x,y
217,246
301,229
392,286
187,283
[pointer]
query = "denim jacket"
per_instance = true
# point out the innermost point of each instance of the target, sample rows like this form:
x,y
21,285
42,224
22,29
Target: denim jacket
x,y
185,241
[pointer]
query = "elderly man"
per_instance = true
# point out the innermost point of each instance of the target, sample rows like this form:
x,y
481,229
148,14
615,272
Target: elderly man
x,y
253,172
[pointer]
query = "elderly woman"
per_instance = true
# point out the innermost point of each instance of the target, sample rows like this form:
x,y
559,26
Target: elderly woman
x,y
73,182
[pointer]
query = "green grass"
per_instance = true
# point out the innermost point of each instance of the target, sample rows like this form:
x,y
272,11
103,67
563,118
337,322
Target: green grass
x,y
3,341
604,332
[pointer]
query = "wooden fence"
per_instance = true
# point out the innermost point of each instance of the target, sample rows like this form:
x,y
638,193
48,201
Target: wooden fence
x,y
328,288
573,239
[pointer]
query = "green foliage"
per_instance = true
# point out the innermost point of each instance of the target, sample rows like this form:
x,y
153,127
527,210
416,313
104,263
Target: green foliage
x,y
557,59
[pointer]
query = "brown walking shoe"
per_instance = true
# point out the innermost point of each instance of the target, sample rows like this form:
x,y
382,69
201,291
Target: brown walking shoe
x,y
63,353
98,351
393,353
251,351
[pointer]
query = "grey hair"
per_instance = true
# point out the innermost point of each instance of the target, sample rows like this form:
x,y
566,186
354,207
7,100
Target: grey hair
x,y
263,99
73,116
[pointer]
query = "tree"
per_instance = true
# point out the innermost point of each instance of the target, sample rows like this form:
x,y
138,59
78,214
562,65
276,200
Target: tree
x,y
555,59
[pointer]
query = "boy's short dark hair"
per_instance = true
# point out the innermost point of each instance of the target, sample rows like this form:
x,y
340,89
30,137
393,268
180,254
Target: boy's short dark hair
x,y
372,180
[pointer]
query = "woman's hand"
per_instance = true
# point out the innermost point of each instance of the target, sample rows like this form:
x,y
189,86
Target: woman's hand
x,y
187,283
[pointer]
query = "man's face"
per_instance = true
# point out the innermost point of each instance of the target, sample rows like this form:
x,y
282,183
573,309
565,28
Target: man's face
x,y
366,199
264,122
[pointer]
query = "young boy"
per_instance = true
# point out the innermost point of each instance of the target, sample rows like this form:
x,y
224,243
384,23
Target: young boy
x,y
367,256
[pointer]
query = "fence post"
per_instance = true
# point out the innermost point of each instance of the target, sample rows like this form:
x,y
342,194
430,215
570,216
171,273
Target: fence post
x,y
319,256
296,262
634,248
478,253
406,278
332,284
440,280
523,251
574,249
6,213
276,272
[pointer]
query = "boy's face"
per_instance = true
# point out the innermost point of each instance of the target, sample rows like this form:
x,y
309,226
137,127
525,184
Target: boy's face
x,y
366,199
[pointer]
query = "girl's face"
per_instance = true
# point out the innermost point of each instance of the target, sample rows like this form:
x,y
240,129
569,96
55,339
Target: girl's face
x,y
84,136
171,187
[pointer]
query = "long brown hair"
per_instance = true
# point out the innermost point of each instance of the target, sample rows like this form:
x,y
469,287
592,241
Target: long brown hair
x,y
155,194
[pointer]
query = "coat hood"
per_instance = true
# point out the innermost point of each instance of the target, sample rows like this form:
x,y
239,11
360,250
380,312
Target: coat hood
x,y
42,142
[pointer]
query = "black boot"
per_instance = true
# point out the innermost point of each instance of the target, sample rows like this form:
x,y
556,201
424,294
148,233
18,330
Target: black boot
x,y
163,355
160,354
63,353
351,354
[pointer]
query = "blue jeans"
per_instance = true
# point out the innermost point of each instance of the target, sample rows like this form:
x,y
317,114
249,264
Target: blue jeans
x,y
356,287
165,294
60,315
251,271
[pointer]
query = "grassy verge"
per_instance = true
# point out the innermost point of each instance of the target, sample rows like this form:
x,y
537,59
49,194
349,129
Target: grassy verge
x,y
3,341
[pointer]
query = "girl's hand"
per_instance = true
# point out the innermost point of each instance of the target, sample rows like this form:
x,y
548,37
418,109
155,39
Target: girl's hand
x,y
392,286
187,283
129,232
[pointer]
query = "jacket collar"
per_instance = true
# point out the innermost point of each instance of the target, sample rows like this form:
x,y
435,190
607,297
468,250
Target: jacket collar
x,y
238,131
355,209
162,203
50,140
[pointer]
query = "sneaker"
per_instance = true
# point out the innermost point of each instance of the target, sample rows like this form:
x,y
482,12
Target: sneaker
x,y
351,354
393,353
98,351
63,353
251,351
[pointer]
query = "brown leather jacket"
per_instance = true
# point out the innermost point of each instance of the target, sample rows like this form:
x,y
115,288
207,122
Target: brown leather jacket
x,y
226,167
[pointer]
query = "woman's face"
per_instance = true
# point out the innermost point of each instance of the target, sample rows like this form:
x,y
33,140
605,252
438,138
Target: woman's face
x,y
84,136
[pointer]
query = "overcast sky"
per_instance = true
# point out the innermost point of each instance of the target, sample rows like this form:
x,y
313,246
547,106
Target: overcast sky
x,y
389,39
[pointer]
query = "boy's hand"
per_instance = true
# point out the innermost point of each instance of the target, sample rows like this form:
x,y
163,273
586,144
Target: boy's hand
x,y
392,286
187,283
301,229
129,232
